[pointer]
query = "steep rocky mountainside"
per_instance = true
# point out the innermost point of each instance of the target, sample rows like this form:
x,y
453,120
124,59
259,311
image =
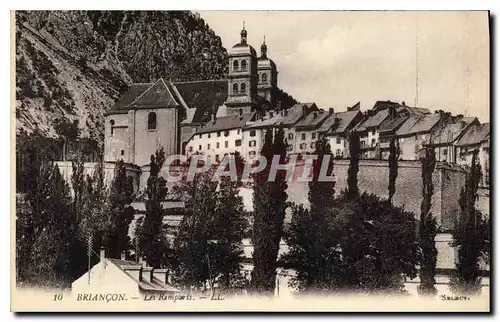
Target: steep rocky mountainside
x,y
72,65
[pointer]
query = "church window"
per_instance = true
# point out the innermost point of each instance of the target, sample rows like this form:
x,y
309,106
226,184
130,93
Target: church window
x,y
243,87
243,65
235,88
112,124
152,121
264,78
236,65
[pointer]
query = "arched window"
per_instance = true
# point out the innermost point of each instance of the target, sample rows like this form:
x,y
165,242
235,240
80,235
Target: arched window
x,y
264,78
235,88
152,121
235,65
243,88
112,124
243,65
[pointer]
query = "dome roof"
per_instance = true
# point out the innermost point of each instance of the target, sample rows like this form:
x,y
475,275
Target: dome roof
x,y
264,62
242,49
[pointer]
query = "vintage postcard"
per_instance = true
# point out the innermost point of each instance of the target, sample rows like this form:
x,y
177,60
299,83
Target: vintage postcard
x,y
334,161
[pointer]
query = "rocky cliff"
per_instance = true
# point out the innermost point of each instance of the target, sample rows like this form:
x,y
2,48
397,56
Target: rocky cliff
x,y
72,65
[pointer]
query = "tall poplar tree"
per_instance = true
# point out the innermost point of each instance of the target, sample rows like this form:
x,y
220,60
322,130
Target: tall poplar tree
x,y
468,234
428,227
352,172
121,212
312,244
153,242
393,166
269,214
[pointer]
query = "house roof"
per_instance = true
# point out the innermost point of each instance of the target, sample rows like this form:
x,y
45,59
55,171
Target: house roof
x,y
226,123
452,131
313,120
339,122
155,284
374,120
390,125
202,98
418,124
295,113
475,135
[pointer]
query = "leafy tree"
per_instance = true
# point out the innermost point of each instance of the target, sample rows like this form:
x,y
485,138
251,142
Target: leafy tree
x,y
269,214
45,229
393,166
352,173
470,235
313,252
428,227
121,212
379,245
153,242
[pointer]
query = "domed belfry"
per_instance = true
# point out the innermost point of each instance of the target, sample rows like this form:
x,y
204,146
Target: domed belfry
x,y
242,78
267,76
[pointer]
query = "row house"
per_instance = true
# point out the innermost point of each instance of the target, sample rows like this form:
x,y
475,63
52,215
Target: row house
x,y
477,137
307,131
415,132
444,140
220,136
337,127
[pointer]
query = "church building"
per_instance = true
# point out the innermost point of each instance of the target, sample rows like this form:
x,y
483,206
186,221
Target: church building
x,y
167,114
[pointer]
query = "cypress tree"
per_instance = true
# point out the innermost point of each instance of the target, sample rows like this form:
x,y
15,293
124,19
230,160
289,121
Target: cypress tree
x,y
269,214
428,227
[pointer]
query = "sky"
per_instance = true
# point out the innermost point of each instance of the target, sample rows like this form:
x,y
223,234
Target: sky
x,y
339,58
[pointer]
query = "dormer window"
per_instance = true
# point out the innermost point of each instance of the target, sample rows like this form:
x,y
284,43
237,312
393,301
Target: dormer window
x,y
236,65
243,88
152,121
243,65
235,88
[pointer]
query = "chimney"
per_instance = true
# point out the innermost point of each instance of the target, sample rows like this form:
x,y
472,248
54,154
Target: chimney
x,y
123,257
133,270
304,110
102,256
331,111
146,274
403,103
161,274
213,118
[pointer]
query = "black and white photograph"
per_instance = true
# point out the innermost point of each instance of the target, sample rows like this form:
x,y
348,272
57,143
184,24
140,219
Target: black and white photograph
x,y
237,161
